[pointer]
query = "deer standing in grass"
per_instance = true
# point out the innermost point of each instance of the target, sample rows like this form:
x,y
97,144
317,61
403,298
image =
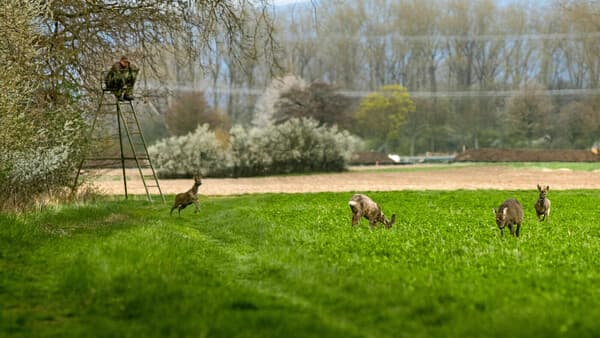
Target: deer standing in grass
x,y
509,213
542,205
184,199
362,205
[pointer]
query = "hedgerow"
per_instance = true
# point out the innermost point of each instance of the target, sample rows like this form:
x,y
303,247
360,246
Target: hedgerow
x,y
296,146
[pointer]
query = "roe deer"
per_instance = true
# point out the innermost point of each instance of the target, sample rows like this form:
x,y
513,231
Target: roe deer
x,y
362,205
509,213
542,205
184,199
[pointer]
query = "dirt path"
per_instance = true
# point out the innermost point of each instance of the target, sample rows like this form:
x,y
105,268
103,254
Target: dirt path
x,y
357,180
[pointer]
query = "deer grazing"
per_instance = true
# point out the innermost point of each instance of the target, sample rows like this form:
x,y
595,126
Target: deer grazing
x,y
362,205
184,199
542,205
509,213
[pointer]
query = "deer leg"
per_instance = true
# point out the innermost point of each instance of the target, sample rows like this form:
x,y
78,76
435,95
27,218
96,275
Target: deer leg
x,y
373,224
196,204
512,230
518,229
173,208
355,218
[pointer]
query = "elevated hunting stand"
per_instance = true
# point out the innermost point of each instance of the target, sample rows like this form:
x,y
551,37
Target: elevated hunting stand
x,y
134,151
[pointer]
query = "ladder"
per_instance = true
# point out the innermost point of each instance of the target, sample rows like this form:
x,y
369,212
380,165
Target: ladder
x,y
134,150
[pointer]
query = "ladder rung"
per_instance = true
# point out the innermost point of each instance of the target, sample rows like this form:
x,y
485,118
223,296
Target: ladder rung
x,y
138,151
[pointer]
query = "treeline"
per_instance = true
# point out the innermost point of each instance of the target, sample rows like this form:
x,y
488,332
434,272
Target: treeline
x,y
482,73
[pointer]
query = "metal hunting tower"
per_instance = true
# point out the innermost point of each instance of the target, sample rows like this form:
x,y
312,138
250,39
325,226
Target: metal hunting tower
x,y
132,151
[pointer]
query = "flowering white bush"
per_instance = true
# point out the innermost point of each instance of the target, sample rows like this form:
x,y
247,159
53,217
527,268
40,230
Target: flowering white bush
x,y
198,152
45,168
40,127
246,152
302,145
298,145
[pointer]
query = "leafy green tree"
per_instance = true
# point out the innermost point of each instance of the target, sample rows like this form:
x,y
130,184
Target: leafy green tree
x,y
381,114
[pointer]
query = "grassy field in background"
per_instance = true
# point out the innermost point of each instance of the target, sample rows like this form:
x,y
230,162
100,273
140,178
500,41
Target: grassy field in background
x,y
581,166
290,265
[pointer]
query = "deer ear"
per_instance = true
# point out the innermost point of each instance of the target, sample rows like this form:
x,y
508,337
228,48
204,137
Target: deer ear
x,y
547,187
539,188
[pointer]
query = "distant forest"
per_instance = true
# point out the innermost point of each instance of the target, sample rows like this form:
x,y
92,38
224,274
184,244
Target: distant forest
x,y
481,73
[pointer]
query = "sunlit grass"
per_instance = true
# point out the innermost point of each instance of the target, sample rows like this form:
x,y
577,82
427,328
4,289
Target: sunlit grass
x,y
290,265
576,166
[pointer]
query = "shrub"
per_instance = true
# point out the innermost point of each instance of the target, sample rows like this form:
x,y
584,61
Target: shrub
x,y
198,152
40,128
296,146
246,152
302,145
42,171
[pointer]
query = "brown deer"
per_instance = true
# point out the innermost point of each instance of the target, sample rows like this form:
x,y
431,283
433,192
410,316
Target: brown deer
x,y
184,199
362,205
542,205
509,213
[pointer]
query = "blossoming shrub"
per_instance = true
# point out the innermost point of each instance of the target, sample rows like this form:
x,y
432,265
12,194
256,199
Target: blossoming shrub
x,y
198,152
40,125
296,146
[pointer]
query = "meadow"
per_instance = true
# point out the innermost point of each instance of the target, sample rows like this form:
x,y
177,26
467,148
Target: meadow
x,y
291,265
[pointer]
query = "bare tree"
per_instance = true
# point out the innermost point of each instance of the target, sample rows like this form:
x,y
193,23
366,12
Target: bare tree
x,y
319,100
189,110
529,114
82,37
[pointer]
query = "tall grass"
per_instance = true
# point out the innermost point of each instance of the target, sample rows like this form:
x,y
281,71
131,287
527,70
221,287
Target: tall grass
x,y
291,265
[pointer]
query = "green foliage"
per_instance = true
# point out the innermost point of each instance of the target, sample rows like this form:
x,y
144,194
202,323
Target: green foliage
x,y
381,115
291,265
298,145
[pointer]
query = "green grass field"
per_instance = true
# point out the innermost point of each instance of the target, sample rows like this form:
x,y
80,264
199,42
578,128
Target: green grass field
x,y
575,166
290,265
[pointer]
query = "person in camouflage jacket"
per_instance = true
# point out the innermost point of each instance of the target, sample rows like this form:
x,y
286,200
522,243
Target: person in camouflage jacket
x,y
121,78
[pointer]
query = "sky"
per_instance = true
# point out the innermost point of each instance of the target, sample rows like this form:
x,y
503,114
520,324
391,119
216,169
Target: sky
x,y
286,2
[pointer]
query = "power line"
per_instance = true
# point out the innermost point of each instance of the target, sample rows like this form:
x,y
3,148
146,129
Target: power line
x,y
363,93
446,38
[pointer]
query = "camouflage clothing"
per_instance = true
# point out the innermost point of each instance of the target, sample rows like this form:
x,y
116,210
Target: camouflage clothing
x,y
121,78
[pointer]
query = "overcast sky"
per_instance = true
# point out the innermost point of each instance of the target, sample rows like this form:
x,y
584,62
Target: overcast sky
x,y
285,2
